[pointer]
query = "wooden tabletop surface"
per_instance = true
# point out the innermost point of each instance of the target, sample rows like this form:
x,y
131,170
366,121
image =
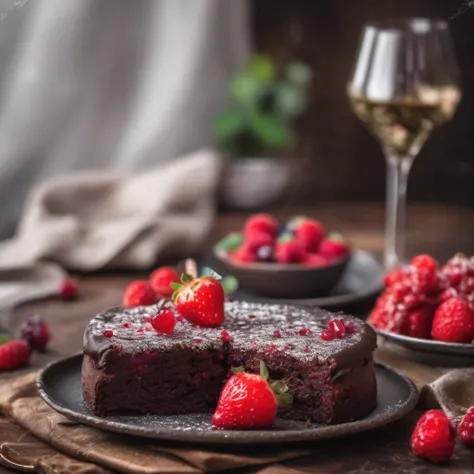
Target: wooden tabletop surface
x,y
439,230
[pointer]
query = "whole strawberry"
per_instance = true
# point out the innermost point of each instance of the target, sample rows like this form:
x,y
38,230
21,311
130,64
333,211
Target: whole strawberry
x,y
334,247
160,281
35,332
453,322
200,300
309,233
139,293
14,354
466,428
261,224
434,437
248,401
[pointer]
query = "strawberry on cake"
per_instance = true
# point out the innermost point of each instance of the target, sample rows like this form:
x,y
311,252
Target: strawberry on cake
x,y
176,357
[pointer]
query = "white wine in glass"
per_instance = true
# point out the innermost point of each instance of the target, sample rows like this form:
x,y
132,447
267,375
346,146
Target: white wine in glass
x,y
405,84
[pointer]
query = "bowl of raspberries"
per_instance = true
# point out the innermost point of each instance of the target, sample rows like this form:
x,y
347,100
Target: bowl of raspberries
x,y
429,307
295,259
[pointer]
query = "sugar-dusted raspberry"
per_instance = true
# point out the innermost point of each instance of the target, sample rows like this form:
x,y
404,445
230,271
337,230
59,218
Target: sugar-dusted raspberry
x,y
454,322
425,262
35,332
466,428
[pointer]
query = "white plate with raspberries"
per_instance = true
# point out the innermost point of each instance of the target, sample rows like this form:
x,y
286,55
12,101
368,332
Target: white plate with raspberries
x,y
428,307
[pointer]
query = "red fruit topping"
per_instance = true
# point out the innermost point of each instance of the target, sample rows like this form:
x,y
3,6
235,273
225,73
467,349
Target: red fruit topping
x,y
433,437
248,401
35,332
164,321
252,316
198,341
309,233
306,349
289,346
68,289
160,281
261,224
14,354
108,333
225,336
337,327
327,335
125,326
271,349
139,293
201,301
276,334
466,428
304,332
334,247
118,348
289,252
453,322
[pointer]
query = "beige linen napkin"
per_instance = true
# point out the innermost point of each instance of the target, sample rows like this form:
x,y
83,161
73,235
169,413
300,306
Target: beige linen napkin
x,y
97,220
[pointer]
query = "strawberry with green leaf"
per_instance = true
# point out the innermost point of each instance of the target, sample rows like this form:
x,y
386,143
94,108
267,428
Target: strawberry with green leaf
x,y
200,300
250,401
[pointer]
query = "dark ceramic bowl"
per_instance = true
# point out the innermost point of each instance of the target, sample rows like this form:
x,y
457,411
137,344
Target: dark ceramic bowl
x,y
278,280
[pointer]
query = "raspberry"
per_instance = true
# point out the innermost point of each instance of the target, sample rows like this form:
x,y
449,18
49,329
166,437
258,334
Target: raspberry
x,y
68,289
453,322
334,247
14,354
433,437
164,321
393,277
265,253
309,233
458,275
139,293
289,252
466,428
315,260
35,332
261,224
419,322
160,281
425,262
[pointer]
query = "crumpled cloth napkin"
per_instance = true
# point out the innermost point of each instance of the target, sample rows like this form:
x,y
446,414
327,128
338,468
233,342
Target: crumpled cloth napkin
x,y
68,447
453,392
99,220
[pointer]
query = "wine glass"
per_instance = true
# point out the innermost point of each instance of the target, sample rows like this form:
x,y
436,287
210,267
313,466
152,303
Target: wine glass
x,y
404,85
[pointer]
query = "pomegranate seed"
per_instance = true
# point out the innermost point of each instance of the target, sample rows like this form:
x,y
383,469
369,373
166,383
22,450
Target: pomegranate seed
x,y
327,335
225,336
277,334
306,349
289,346
337,327
198,341
304,332
252,316
125,326
164,321
108,333
272,348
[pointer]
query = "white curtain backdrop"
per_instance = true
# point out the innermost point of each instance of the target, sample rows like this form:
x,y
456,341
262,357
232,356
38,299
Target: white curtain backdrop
x,y
109,84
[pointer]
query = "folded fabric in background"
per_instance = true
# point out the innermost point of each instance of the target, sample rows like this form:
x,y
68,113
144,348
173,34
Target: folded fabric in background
x,y
92,221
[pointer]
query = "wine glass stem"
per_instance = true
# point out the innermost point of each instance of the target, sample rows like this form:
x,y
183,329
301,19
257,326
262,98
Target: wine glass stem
x,y
398,169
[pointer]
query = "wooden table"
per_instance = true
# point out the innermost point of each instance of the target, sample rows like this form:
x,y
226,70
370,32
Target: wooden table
x,y
435,229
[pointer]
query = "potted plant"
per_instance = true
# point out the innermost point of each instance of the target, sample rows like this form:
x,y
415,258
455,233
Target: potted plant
x,y
255,131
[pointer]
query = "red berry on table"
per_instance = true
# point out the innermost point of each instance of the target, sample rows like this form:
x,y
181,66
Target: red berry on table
x,y
35,332
434,437
419,321
466,428
261,224
309,233
453,322
160,281
14,354
164,321
68,289
139,293
334,246
248,401
200,301
289,252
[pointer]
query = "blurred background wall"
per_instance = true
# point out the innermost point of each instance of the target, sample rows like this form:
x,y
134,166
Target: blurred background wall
x,y
342,161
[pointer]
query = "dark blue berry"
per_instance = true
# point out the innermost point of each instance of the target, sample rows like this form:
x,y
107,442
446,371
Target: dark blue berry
x,y
265,253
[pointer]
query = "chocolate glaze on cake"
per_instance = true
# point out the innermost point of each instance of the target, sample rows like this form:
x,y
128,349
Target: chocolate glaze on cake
x,y
129,366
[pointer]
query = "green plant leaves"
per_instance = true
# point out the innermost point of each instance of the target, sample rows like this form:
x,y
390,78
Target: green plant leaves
x,y
271,130
229,123
262,67
245,89
238,370
263,370
289,100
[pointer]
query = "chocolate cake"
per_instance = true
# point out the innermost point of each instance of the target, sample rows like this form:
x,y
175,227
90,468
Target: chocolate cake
x,y
129,367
